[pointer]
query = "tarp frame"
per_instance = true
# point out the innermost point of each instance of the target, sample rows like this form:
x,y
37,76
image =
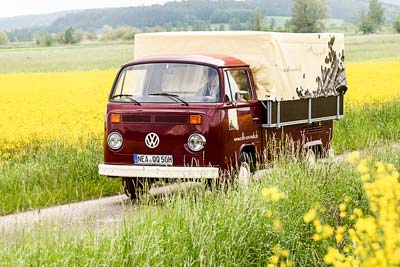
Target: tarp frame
x,y
277,121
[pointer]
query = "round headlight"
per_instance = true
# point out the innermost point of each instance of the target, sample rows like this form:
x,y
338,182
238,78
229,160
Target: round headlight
x,y
196,142
115,140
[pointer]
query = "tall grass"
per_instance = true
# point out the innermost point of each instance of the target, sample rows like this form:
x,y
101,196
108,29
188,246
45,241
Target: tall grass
x,y
206,228
52,174
368,126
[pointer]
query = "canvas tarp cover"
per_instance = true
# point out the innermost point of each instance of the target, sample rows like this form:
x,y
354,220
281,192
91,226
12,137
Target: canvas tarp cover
x,y
285,66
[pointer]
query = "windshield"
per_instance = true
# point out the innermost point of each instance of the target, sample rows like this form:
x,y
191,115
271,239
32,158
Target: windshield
x,y
168,83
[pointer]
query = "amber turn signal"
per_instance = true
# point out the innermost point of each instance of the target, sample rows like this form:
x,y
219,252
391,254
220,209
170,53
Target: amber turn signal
x,y
115,118
195,119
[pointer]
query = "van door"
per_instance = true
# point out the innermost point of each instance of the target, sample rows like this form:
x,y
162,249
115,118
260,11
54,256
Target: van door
x,y
242,113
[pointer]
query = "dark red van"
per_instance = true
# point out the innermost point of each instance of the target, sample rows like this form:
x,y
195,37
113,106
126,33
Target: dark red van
x,y
197,116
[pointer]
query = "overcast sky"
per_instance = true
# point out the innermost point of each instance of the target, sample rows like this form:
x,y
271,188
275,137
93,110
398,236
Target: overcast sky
x,y
11,8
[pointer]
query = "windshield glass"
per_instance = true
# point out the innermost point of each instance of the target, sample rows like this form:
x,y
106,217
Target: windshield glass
x,y
164,82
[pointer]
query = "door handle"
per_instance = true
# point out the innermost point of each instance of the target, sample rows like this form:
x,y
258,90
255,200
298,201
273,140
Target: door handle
x,y
256,119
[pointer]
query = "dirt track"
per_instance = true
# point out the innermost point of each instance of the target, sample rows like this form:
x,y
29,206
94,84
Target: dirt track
x,y
96,213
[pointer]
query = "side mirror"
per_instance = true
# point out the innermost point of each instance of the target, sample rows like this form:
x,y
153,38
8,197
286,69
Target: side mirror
x,y
242,96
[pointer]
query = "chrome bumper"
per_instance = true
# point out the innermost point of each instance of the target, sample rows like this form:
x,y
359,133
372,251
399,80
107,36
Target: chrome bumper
x,y
158,171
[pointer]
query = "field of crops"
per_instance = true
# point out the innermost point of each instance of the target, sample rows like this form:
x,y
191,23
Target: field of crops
x,y
70,106
328,214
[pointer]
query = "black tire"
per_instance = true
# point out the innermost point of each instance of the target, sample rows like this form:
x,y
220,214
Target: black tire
x,y
132,187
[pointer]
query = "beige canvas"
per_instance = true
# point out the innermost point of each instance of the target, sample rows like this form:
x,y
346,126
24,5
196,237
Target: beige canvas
x,y
285,66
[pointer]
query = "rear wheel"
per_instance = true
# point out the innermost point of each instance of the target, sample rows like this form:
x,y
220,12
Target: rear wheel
x,y
244,173
132,187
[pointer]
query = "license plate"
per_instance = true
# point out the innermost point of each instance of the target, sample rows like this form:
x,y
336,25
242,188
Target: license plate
x,y
161,160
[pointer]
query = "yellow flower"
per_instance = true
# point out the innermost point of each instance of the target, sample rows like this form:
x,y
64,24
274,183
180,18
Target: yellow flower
x,y
364,178
318,226
269,213
390,167
274,259
272,193
342,207
353,157
327,231
277,225
339,238
285,253
310,216
380,167
316,237
358,212
362,166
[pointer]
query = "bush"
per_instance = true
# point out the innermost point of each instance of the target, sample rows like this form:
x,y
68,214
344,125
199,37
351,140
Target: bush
x,y
44,39
396,24
3,38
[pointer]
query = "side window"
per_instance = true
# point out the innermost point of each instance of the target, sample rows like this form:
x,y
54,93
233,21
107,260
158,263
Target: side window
x,y
239,84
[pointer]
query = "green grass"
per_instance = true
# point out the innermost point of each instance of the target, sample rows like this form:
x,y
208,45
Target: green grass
x,y
65,58
55,174
372,125
374,47
111,55
203,228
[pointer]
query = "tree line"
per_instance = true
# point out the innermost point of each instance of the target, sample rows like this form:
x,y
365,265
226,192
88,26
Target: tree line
x,y
199,15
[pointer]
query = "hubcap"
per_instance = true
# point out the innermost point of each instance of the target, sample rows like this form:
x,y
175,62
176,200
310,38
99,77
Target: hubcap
x,y
244,174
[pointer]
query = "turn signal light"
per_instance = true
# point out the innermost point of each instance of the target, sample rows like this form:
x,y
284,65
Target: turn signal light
x,y
195,119
115,118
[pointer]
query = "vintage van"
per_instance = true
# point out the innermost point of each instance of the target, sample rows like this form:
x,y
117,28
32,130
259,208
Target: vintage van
x,y
162,121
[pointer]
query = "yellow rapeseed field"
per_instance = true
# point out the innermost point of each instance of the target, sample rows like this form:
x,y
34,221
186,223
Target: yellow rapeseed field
x,y
70,106
375,82
42,106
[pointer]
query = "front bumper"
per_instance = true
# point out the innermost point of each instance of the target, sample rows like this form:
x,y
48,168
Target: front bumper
x,y
159,171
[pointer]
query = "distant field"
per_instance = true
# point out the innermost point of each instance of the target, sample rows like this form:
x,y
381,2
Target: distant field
x,y
110,56
66,58
374,47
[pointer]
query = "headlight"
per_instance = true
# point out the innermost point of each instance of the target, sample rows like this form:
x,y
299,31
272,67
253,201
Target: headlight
x,y
115,140
196,142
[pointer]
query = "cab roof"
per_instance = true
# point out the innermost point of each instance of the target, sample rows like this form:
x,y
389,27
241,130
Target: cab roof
x,y
203,59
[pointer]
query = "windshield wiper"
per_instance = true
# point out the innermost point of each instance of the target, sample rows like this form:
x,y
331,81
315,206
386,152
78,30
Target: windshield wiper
x,y
172,96
128,97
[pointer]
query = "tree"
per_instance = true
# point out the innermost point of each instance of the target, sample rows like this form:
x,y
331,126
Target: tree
x,y
69,35
200,25
366,25
307,15
3,38
374,19
376,12
257,21
396,24
287,25
234,24
44,39
272,24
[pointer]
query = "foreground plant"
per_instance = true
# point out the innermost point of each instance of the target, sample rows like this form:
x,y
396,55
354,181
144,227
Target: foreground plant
x,y
371,239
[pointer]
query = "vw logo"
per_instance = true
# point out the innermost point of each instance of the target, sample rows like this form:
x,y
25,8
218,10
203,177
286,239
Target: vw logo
x,y
152,140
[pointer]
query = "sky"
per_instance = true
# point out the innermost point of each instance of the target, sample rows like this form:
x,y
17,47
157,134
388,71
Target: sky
x,y
12,8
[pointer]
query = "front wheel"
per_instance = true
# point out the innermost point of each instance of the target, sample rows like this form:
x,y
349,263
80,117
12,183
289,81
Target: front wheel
x,y
132,187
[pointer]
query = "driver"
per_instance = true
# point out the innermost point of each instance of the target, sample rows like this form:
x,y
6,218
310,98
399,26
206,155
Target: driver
x,y
212,87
